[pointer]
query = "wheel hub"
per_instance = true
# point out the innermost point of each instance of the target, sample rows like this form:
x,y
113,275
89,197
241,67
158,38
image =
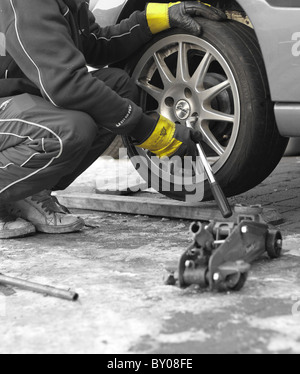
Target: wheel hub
x,y
183,110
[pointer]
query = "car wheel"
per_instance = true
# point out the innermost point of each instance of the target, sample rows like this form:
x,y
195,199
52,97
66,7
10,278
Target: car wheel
x,y
219,77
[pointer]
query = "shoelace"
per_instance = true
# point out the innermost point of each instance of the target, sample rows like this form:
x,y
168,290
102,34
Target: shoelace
x,y
47,202
64,208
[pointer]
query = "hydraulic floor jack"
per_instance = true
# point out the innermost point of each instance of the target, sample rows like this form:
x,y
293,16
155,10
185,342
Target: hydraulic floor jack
x,y
219,258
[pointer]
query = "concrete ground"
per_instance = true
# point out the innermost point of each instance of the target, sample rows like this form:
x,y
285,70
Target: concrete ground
x,y
117,265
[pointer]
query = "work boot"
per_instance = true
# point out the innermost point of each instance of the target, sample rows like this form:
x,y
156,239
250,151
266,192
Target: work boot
x,y
12,227
46,214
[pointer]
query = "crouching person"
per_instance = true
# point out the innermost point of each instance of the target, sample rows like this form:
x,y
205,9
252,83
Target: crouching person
x,y
57,118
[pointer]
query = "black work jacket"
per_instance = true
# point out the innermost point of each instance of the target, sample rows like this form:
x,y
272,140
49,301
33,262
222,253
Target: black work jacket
x,y
49,44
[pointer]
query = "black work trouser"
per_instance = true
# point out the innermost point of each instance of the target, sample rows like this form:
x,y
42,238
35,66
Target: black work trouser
x,y
44,147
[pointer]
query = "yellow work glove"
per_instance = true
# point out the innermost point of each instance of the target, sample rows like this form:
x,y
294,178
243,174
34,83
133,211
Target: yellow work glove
x,y
169,139
162,17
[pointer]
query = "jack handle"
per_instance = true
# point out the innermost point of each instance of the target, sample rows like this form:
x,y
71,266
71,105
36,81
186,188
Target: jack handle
x,y
216,189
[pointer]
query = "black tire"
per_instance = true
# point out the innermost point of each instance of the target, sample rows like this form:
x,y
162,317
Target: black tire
x,y
242,281
274,244
276,144
232,283
259,146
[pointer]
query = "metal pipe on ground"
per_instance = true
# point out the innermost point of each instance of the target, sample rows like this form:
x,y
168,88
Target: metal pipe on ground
x,y
39,288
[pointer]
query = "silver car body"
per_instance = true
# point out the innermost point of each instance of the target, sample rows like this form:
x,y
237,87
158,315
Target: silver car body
x,y
277,26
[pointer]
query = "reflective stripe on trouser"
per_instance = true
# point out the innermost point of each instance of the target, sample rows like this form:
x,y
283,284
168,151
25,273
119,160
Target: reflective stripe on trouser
x,y
38,144
44,147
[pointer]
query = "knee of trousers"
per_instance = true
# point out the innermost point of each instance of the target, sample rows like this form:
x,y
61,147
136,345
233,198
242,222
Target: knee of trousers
x,y
121,83
77,133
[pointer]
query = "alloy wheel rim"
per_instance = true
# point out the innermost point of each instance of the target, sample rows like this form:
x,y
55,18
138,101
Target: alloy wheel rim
x,y
187,76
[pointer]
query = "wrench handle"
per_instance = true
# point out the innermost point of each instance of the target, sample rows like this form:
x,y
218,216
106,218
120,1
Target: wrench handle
x,y
216,189
221,200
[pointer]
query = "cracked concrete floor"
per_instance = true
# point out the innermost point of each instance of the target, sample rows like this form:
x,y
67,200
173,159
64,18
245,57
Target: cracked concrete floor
x,y
117,266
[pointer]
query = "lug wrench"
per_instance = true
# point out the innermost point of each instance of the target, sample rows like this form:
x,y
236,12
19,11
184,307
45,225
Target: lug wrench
x,y
216,189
